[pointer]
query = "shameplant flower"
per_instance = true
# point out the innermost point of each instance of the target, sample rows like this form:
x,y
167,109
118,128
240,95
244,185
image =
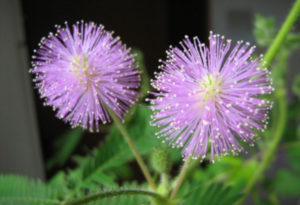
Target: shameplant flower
x,y
81,70
210,96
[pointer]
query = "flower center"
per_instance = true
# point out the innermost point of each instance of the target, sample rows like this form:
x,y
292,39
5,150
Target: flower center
x,y
210,87
79,63
82,69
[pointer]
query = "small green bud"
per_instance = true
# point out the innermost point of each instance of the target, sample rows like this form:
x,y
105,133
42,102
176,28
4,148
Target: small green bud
x,y
161,160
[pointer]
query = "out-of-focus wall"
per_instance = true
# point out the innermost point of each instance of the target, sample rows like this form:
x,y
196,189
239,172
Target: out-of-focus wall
x,y
19,142
234,19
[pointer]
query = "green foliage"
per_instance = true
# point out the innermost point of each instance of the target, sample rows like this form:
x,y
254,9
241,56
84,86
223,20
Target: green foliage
x,y
287,180
16,190
287,183
292,42
124,200
128,194
296,86
293,151
213,194
65,147
264,30
294,109
234,171
145,86
98,168
59,181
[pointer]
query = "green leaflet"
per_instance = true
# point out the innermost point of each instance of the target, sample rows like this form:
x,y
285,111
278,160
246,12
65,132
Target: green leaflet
x,y
17,190
130,194
213,194
264,30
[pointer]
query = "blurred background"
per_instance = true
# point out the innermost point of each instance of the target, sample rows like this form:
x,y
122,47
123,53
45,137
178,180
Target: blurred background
x,y
28,130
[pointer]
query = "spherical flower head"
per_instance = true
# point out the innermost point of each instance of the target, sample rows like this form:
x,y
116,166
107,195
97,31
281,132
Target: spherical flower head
x,y
80,71
210,97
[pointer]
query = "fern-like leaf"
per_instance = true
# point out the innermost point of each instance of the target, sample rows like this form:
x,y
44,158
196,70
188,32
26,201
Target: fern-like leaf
x,y
213,194
17,190
128,194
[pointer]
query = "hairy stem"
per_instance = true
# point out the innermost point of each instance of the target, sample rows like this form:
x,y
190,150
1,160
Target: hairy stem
x,y
133,148
107,194
181,176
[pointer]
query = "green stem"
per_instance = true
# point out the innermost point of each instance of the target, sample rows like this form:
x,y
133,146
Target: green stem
x,y
285,29
133,148
256,197
273,199
281,97
181,177
273,146
94,197
163,188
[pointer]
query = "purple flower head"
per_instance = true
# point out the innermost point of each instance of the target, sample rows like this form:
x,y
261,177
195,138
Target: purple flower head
x,y
210,95
81,70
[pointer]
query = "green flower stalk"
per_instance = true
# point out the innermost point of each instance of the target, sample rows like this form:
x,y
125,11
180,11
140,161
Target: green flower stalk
x,y
280,96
